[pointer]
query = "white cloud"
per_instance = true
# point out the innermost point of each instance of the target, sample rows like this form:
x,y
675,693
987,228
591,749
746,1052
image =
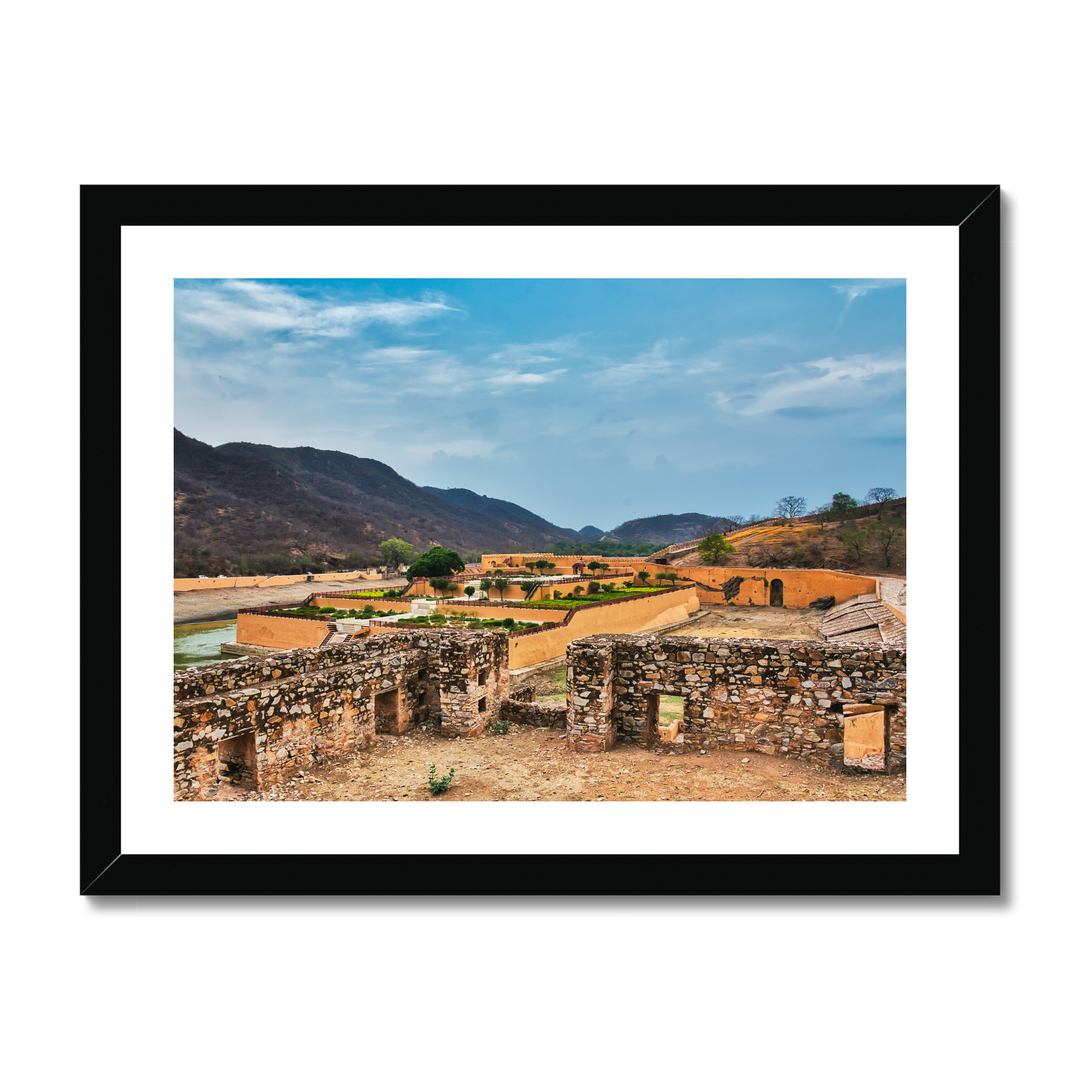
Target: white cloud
x,y
853,381
525,379
239,309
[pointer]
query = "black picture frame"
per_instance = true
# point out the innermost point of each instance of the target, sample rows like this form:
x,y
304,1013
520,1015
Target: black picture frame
x,y
974,210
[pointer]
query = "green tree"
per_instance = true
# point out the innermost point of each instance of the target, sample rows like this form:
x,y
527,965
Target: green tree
x,y
843,507
593,566
643,576
394,551
485,586
469,590
715,547
501,584
436,562
440,584
854,540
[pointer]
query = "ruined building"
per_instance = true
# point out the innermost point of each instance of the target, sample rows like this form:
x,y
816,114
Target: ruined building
x,y
244,724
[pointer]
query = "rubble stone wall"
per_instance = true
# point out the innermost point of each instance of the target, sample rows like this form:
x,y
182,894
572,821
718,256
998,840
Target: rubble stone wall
x,y
528,712
773,697
247,723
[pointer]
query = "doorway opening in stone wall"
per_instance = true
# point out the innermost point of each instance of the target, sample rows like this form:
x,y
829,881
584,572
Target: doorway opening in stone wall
x,y
387,706
238,764
776,593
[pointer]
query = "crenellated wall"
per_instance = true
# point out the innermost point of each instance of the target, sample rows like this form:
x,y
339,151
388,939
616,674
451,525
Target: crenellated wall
x,y
774,697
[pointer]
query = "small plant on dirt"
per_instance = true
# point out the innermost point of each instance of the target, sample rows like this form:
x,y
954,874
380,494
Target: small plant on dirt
x,y
438,784
499,725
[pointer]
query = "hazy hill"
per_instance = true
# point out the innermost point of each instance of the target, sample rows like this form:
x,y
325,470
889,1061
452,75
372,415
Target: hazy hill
x,y
665,528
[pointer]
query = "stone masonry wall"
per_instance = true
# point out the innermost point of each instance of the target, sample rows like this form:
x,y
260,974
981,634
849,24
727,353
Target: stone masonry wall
x,y
774,697
245,723
528,712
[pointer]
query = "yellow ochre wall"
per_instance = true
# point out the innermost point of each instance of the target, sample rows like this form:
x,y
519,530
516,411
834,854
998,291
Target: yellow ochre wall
x,y
277,632
650,612
801,587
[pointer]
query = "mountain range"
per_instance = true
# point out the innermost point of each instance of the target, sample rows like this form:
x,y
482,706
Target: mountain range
x,y
249,502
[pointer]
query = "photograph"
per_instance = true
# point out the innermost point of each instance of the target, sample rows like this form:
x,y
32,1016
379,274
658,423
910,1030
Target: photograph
x,y
592,539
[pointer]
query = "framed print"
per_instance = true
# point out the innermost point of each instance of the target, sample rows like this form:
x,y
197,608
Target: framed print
x,y
718,333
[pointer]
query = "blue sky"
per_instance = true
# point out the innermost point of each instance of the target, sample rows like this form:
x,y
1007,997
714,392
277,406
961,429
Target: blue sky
x,y
588,401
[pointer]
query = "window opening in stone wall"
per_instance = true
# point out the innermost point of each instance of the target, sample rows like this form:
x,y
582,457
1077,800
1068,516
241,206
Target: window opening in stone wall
x,y
669,716
238,764
776,593
481,677
386,711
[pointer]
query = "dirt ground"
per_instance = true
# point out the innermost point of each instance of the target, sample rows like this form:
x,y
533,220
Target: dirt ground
x,y
535,765
220,605
722,620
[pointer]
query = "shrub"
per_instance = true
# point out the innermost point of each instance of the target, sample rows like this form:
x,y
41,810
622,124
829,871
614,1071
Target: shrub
x,y
593,588
438,784
499,725
508,623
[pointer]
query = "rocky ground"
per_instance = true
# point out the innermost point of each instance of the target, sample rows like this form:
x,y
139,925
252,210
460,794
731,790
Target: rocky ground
x,y
534,764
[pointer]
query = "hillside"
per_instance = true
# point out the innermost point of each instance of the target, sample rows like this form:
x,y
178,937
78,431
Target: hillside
x,y
809,545
249,508
509,514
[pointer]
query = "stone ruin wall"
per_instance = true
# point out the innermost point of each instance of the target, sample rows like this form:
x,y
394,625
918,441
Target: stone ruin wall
x,y
244,724
773,697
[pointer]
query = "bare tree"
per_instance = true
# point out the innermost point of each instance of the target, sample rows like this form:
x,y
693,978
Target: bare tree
x,y
880,495
791,506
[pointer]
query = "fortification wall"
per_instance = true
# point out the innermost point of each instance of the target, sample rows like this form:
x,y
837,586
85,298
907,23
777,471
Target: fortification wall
x,y
772,697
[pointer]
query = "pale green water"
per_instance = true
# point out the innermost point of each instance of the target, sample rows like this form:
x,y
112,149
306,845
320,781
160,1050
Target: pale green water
x,y
195,644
